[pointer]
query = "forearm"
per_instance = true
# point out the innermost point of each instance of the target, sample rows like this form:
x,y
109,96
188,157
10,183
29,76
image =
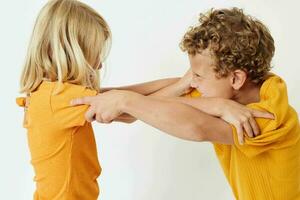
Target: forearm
x,y
160,114
178,88
211,106
172,90
146,88
175,118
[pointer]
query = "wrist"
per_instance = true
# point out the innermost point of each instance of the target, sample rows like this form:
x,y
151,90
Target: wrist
x,y
221,106
215,106
181,87
128,99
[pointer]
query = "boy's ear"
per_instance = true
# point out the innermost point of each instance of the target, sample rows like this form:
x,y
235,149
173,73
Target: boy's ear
x,y
238,78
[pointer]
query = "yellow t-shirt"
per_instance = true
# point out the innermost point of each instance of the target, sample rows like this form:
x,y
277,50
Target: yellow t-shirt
x,y
266,167
62,144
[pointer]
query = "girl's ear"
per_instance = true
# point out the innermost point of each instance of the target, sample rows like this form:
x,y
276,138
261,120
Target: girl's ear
x,y
238,79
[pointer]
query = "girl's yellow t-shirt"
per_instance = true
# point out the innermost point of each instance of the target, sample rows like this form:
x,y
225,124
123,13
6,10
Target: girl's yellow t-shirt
x,y
266,167
62,144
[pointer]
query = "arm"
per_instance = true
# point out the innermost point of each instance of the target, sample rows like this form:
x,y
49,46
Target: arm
x,y
146,88
240,116
177,119
188,118
174,118
230,111
178,88
174,89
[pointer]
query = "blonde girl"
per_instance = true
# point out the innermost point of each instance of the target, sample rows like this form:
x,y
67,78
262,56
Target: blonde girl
x,y
69,42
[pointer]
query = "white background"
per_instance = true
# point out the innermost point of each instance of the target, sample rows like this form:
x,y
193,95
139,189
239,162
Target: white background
x,y
139,162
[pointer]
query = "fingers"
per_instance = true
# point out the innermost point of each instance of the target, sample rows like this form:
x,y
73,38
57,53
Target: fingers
x,y
249,126
90,115
240,133
103,120
254,126
99,119
81,101
262,114
247,123
248,129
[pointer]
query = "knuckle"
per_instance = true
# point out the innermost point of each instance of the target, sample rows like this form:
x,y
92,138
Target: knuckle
x,y
248,115
243,120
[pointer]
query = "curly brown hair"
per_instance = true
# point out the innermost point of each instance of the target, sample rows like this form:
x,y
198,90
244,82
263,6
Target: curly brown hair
x,y
237,41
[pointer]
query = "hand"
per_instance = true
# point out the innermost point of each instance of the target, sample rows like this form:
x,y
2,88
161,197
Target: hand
x,y
125,118
185,82
242,118
105,107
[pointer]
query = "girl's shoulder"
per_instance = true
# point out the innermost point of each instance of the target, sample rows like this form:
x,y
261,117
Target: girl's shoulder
x,y
54,99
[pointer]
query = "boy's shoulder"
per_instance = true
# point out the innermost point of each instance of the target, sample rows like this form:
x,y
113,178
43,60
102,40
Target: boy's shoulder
x,y
281,132
273,97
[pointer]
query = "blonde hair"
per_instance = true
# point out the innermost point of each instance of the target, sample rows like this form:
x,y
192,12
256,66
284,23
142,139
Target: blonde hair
x,y
69,42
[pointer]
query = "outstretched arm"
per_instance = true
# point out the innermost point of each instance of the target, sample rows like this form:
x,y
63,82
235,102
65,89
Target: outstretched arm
x,y
146,88
173,87
174,118
178,119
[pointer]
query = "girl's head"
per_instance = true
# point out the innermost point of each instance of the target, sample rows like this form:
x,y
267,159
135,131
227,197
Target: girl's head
x,y
69,42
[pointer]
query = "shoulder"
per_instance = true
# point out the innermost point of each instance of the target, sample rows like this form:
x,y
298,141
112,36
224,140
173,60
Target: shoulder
x,y
273,99
67,91
63,111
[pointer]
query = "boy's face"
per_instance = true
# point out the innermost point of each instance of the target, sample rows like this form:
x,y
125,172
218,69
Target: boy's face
x,y
204,77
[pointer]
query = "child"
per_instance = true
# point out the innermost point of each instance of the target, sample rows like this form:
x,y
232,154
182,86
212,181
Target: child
x,y
230,55
68,45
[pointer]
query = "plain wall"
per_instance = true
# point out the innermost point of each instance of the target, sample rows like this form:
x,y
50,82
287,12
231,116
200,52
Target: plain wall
x,y
138,161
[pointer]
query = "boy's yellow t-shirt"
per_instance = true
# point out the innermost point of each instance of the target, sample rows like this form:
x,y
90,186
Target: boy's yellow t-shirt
x,y
62,144
266,167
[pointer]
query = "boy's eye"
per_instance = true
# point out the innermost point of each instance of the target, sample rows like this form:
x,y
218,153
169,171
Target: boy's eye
x,y
198,76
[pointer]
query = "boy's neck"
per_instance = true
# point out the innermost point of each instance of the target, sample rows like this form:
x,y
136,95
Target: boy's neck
x,y
249,93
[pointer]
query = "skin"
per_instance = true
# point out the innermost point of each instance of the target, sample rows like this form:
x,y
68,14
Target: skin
x,y
200,119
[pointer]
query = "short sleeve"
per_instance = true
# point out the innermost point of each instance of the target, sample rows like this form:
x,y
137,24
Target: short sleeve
x,y
281,132
273,135
22,102
66,115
